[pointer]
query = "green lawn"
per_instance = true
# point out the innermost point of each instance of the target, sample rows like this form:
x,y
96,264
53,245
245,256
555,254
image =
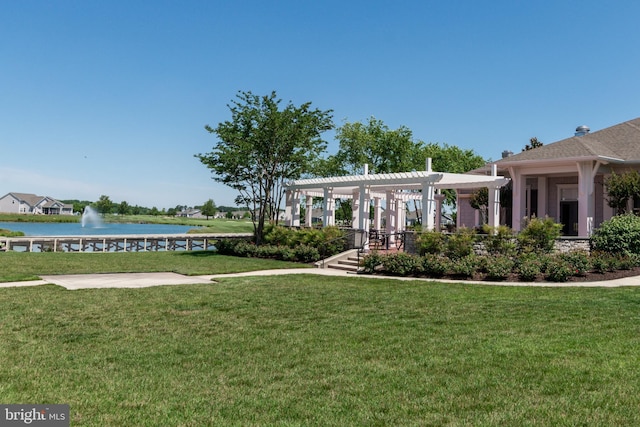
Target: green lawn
x,y
16,266
304,350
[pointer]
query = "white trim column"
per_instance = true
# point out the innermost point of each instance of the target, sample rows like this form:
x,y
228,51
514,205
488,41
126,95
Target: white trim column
x,y
292,203
329,208
377,213
355,209
308,219
519,195
586,205
439,200
391,216
428,206
494,202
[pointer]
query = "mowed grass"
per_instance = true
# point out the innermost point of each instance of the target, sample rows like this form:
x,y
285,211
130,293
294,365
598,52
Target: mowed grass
x,y
17,266
340,351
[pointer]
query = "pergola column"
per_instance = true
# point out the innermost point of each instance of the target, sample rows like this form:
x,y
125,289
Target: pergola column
x,y
391,216
377,213
428,206
355,209
439,199
292,209
308,220
328,211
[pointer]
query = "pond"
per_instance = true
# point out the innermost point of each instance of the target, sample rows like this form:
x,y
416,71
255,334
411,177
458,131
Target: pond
x,y
76,229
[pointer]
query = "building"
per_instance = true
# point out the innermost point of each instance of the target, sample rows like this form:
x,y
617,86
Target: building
x,y
565,180
25,203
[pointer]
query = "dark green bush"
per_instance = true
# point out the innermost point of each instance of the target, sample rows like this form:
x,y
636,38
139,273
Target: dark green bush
x,y
465,266
245,249
529,266
558,270
579,262
401,264
499,268
371,261
306,253
430,242
539,235
619,235
500,241
435,265
460,244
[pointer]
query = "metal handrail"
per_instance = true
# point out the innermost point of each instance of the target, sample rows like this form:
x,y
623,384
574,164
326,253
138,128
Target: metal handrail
x,y
346,237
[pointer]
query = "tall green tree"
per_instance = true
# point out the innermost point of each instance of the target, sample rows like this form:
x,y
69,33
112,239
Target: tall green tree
x,y
262,147
209,208
104,204
372,143
620,188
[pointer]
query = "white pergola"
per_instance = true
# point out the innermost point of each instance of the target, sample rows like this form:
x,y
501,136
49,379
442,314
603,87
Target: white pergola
x,y
396,189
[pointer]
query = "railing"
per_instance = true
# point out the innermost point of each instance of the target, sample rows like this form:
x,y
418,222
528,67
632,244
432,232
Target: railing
x,y
382,240
352,239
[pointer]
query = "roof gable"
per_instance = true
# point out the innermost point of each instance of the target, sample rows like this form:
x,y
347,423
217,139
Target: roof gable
x,y
619,142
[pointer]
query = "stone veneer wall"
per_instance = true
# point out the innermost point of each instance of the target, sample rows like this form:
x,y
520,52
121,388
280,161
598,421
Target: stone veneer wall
x,y
562,245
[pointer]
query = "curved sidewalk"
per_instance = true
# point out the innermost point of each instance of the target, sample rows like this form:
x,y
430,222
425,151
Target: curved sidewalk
x,y
143,280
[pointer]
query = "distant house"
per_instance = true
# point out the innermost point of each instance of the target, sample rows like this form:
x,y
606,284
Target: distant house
x,y
25,203
565,180
190,213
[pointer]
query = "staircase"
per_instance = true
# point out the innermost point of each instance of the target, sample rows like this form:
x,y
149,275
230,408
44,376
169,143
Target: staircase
x,y
346,261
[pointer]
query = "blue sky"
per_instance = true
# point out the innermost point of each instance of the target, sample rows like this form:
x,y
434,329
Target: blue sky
x,y
111,97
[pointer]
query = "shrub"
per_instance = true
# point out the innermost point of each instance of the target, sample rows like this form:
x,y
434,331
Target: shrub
x,y
539,235
306,253
619,235
465,266
278,235
499,268
435,265
371,261
558,270
245,249
500,241
459,244
602,262
579,262
226,246
528,267
430,242
401,264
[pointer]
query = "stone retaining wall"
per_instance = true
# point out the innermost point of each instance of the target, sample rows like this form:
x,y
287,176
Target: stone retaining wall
x,y
562,245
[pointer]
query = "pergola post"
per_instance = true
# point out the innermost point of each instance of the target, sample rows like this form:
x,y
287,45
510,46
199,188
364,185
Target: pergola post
x,y
308,220
428,206
377,213
328,211
355,209
391,216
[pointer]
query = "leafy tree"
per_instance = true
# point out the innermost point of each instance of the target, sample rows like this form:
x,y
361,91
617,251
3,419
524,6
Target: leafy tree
x,y
372,143
124,208
620,188
209,208
533,143
104,205
261,148
154,211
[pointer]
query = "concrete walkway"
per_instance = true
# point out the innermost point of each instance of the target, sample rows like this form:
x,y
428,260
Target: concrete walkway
x,y
143,280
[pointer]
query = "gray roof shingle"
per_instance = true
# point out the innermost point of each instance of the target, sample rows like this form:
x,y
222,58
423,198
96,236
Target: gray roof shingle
x,y
621,141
